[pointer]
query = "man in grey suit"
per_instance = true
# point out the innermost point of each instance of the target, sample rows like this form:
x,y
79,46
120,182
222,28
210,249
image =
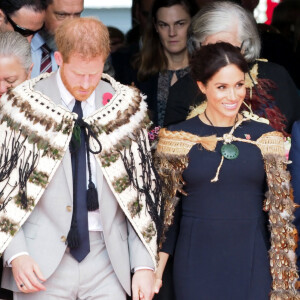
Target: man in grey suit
x,y
45,259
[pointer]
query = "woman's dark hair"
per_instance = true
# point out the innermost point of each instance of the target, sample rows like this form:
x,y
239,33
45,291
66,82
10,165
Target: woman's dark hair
x,y
208,60
152,58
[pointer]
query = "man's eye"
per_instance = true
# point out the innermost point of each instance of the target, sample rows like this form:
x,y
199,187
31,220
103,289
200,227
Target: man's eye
x,y
162,25
61,16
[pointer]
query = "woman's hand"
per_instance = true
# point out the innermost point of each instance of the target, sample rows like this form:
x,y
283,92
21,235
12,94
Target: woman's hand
x,y
157,285
163,258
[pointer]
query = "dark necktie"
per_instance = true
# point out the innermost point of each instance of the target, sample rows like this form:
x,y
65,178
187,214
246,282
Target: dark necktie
x,y
80,212
46,65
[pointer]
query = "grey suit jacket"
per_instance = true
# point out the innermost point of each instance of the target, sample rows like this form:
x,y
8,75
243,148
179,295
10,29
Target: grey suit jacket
x,y
44,233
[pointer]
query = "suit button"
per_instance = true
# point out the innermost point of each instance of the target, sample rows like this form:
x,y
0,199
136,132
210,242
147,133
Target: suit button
x,y
69,208
63,239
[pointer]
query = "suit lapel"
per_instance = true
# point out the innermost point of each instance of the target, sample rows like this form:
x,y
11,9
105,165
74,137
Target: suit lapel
x,y
98,96
53,92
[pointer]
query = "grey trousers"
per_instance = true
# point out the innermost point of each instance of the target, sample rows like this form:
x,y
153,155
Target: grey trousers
x,y
91,279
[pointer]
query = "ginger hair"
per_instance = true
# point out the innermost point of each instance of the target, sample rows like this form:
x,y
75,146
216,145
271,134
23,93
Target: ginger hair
x,y
86,36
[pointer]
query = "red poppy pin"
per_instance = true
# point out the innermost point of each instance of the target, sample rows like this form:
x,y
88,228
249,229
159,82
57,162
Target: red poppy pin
x,y
106,98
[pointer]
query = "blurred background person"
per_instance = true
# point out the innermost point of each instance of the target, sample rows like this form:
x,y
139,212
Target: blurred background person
x,y
15,60
122,60
15,67
116,37
286,19
164,56
141,11
43,43
221,163
271,91
24,16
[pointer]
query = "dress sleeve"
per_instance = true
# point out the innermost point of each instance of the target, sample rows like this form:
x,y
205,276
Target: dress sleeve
x,y
171,235
294,168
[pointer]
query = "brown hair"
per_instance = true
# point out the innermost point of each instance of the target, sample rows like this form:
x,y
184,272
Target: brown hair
x,y
152,58
86,36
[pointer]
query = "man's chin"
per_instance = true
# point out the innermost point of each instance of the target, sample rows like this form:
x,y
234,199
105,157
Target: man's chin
x,y
82,96
48,38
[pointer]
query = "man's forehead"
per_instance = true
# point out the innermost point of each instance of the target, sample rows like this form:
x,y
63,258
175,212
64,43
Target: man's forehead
x,y
29,18
76,57
68,5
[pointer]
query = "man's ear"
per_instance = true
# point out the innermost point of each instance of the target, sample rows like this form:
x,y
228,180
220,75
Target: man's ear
x,y
58,58
202,87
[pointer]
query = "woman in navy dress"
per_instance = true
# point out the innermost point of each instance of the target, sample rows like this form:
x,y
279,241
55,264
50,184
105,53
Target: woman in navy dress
x,y
219,236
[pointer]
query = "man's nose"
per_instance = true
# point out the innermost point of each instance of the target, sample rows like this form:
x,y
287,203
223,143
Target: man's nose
x,y
86,82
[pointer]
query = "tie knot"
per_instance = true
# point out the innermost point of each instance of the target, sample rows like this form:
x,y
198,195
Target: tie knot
x,y
45,48
78,109
77,103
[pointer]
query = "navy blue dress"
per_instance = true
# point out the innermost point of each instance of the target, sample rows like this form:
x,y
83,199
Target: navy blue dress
x,y
222,244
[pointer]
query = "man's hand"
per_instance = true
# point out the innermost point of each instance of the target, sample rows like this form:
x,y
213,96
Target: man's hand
x,y
143,285
27,274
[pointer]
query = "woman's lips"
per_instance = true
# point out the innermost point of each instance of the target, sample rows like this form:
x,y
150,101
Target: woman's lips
x,y
230,105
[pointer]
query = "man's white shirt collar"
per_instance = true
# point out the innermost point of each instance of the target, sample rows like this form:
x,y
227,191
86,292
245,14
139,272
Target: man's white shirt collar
x,y
68,99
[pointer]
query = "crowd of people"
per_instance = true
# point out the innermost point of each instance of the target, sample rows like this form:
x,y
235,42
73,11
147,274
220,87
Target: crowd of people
x,y
150,165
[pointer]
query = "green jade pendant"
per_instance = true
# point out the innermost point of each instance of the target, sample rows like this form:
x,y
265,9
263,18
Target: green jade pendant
x,y
230,151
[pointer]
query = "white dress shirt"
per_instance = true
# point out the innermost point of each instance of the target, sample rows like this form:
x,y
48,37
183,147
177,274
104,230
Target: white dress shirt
x,y
88,107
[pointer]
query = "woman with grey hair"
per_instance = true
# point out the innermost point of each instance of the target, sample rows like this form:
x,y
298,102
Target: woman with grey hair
x,y
234,23
15,60
271,91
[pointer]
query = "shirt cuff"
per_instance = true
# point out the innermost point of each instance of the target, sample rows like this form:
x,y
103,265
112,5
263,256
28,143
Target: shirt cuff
x,y
15,256
142,268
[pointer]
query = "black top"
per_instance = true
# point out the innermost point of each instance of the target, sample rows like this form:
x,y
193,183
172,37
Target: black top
x,y
221,246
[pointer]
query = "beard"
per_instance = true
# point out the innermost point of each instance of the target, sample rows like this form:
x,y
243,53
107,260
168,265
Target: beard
x,y
78,92
49,39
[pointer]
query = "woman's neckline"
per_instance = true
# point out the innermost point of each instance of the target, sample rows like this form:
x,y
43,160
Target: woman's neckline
x,y
208,125
183,68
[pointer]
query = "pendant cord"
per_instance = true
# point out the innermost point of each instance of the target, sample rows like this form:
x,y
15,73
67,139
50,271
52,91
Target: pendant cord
x,y
227,139
232,129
